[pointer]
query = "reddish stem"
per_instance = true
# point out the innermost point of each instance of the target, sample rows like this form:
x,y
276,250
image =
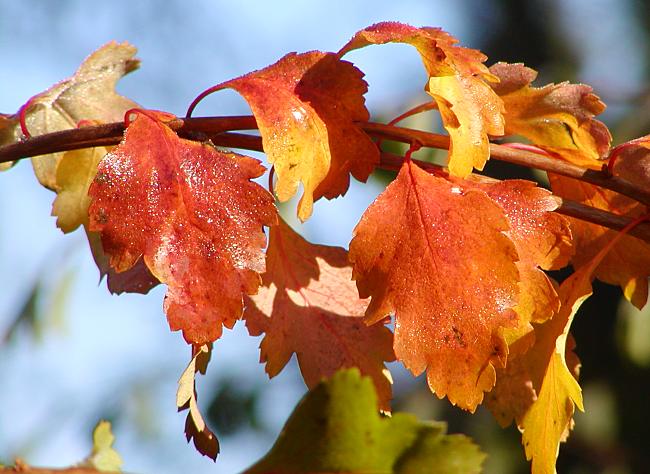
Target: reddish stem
x,y
202,96
415,110
22,117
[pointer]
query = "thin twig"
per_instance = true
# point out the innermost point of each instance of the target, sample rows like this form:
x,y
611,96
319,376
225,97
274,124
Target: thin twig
x,y
218,129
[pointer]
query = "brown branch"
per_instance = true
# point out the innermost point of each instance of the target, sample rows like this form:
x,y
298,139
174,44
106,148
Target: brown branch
x,y
218,130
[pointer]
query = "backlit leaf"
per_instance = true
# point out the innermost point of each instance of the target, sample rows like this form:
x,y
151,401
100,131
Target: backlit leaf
x,y
88,95
9,133
542,239
437,257
307,306
305,106
631,161
556,117
194,216
337,428
469,107
196,429
74,174
548,420
628,263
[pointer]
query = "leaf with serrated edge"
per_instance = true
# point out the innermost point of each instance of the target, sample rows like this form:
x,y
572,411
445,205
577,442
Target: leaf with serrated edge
x,y
308,305
336,428
436,256
469,108
628,263
88,95
548,420
542,239
192,213
556,117
137,279
196,430
632,161
305,106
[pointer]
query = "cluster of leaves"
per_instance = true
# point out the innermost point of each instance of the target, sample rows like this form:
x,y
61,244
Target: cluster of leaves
x,y
457,259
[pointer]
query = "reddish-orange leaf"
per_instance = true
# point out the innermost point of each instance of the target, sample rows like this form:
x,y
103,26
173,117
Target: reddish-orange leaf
x,y
437,257
137,279
193,214
310,306
469,108
556,117
631,161
628,263
305,106
543,241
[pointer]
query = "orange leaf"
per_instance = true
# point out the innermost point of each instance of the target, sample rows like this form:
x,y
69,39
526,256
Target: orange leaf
x,y
556,117
305,106
310,306
469,108
542,239
437,257
194,215
628,263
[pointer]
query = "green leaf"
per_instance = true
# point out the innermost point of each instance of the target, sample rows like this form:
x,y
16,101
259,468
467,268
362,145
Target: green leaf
x,y
338,428
103,457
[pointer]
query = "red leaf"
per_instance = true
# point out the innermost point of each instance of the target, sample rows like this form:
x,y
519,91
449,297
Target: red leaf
x,y
437,257
194,215
305,106
307,306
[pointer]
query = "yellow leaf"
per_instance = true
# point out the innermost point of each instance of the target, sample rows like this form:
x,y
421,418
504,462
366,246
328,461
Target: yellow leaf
x,y
88,95
548,420
74,175
103,457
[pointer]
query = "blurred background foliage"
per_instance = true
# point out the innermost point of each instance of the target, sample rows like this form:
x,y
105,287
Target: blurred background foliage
x,y
70,354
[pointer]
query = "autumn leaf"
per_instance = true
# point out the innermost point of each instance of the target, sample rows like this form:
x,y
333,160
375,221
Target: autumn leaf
x,y
437,257
196,429
543,242
469,107
305,106
557,117
88,95
336,428
308,305
628,263
137,279
548,420
631,161
74,174
193,215
9,133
